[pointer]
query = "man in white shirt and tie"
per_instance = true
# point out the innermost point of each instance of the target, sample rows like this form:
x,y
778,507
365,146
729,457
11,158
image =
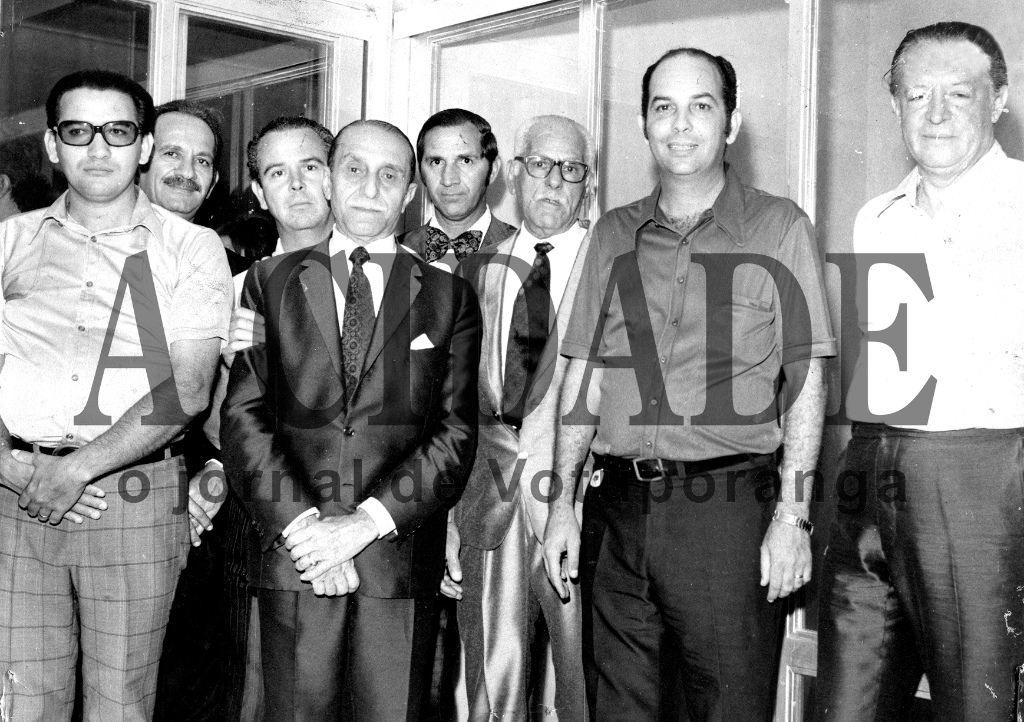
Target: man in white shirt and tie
x,y
494,554
348,492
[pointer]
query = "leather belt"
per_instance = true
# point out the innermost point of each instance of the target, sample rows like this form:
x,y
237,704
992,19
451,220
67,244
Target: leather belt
x,y
650,469
167,452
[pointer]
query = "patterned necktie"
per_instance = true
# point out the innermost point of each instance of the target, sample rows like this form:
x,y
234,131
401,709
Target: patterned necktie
x,y
358,322
527,336
438,244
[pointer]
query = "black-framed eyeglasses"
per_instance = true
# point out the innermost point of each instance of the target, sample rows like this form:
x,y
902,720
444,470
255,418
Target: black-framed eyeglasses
x,y
572,171
117,133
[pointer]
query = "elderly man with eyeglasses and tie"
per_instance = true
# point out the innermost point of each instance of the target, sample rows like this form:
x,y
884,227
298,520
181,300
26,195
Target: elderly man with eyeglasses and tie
x,y
526,285
113,315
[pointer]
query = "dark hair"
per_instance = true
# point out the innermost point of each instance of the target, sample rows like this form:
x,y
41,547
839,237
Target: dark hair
x,y
950,31
103,80
452,118
285,122
382,125
725,72
19,161
208,115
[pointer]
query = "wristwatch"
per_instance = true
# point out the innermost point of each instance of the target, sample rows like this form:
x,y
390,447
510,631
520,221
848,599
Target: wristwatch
x,y
798,521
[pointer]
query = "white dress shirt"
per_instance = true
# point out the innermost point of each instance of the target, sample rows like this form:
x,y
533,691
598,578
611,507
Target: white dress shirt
x,y
562,257
383,249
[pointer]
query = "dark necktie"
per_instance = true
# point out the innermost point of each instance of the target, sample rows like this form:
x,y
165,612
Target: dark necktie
x,y
527,336
357,324
438,244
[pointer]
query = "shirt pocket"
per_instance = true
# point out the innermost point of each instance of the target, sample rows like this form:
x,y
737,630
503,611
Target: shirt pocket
x,y
753,331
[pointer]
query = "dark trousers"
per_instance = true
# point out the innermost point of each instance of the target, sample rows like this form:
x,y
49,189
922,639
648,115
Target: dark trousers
x,y
673,567
344,659
202,665
924,571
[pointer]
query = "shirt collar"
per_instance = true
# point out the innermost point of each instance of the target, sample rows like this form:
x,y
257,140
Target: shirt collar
x,y
727,211
482,223
574,232
340,243
966,186
143,214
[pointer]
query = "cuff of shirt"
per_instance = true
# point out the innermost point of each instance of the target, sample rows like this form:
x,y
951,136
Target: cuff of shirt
x,y
291,527
380,515
218,464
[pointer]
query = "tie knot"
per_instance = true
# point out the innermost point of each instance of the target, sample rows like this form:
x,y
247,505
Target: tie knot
x,y
543,248
359,256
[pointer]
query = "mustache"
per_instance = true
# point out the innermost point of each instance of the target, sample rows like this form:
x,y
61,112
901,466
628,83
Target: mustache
x,y
180,181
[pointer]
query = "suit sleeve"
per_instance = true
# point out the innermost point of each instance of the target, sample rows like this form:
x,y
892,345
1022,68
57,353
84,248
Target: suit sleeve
x,y
446,457
256,467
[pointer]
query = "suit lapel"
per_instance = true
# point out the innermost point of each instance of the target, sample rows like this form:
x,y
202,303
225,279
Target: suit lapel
x,y
403,286
494,280
318,287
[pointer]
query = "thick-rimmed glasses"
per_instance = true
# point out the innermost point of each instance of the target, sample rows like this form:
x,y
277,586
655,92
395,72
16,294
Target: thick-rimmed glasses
x,y
572,171
117,133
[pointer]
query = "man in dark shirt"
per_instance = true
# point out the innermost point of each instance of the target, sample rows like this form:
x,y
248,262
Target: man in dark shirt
x,y
700,318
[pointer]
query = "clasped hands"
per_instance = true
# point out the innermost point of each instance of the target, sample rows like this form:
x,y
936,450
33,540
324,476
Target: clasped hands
x,y
323,551
51,488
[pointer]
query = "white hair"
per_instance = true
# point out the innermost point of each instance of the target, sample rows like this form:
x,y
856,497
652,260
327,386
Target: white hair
x,y
527,130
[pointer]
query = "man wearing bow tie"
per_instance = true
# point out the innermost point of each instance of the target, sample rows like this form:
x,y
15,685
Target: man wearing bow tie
x,y
349,492
526,286
458,160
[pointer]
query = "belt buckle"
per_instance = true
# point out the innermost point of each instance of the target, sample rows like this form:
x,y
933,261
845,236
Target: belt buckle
x,y
639,474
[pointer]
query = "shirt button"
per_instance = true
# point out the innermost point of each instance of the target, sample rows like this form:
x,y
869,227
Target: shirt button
x,y
686,241
654,402
675,321
93,239
664,359
648,444
81,328
74,377
89,284
349,431
69,436
680,279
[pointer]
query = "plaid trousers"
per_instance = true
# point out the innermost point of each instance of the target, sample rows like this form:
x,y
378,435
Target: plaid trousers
x,y
105,585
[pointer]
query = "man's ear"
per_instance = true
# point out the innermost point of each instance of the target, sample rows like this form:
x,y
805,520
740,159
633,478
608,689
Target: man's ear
x,y
641,124
895,108
999,102
257,190
216,177
735,121
326,183
50,142
5,185
495,170
147,149
410,193
511,171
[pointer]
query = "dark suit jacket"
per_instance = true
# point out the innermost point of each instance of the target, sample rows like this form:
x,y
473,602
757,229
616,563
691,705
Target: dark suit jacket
x,y
498,478
497,231
285,415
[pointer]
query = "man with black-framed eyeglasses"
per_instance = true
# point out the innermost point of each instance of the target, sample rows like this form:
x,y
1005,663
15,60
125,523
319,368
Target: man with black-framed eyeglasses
x,y
526,285
113,311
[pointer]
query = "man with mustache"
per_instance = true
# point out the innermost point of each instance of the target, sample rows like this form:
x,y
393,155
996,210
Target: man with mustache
x,y
526,286
701,315
186,153
203,660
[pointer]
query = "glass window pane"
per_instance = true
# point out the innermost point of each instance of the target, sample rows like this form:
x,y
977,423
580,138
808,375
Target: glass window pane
x,y
109,34
509,77
751,34
252,77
